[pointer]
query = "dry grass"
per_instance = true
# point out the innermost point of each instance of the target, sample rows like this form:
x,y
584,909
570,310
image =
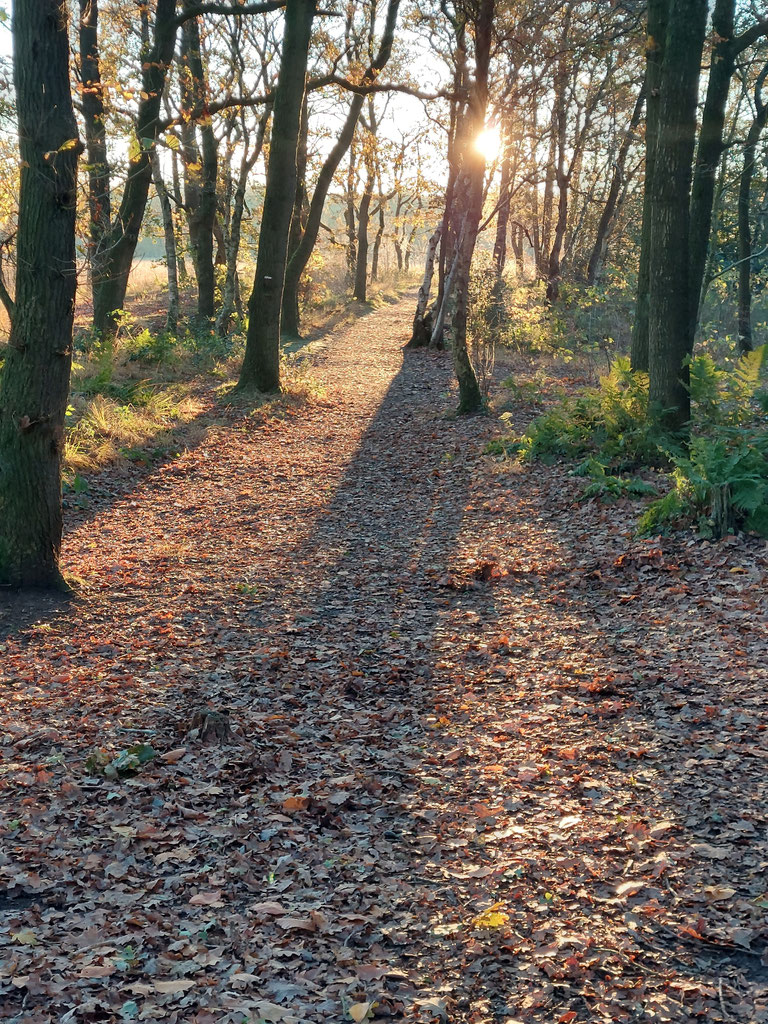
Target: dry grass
x,y
104,429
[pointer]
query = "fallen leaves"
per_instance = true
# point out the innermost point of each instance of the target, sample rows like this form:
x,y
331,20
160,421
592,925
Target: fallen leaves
x,y
525,796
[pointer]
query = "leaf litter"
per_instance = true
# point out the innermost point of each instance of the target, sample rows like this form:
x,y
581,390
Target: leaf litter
x,y
392,735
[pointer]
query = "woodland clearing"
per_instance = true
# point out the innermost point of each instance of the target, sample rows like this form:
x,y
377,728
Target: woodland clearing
x,y
475,752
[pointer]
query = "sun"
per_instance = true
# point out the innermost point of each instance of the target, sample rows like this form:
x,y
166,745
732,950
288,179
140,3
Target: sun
x,y
488,142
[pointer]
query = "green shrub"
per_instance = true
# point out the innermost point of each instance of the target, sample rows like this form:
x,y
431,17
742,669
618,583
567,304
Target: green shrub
x,y
718,481
611,420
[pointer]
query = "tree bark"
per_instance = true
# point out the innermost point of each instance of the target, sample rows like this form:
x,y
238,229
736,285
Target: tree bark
x,y
559,125
421,326
656,36
670,339
35,381
261,364
710,147
94,121
200,167
363,214
169,239
470,184
230,295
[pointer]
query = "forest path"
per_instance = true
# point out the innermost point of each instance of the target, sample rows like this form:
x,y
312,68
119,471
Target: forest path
x,y
492,760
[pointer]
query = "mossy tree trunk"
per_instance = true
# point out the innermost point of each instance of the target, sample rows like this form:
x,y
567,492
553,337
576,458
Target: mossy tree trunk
x,y
35,379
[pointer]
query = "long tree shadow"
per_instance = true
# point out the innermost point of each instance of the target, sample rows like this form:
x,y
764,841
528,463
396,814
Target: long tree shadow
x,y
384,613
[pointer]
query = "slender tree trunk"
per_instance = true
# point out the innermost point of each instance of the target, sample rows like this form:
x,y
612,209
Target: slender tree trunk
x,y
350,217
422,327
670,340
559,126
178,217
169,238
471,182
261,364
35,381
614,192
710,148
230,296
379,236
110,279
361,268
201,168
656,36
94,120
548,200
745,231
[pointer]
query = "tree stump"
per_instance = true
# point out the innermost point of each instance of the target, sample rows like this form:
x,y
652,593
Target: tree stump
x,y
211,727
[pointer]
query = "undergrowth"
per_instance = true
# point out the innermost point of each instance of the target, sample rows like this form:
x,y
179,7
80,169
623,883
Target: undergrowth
x,y
717,482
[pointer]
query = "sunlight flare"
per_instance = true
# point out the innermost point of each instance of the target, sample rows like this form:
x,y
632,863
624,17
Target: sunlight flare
x,y
488,142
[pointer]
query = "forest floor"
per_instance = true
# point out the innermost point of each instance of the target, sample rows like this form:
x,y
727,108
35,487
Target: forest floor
x,y
430,740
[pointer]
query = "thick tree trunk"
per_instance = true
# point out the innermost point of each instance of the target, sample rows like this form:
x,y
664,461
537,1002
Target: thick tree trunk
x,y
745,230
670,339
35,381
614,192
656,36
261,364
421,325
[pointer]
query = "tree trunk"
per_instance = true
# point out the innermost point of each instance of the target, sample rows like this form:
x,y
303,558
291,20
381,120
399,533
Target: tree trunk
x,y
470,179
670,340
110,278
710,148
421,326
361,268
261,364
201,168
656,36
745,231
35,381
559,128
231,292
94,121
169,238
378,238
349,215
300,256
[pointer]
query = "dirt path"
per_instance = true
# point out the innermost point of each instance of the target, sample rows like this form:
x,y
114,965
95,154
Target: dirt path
x,y
492,760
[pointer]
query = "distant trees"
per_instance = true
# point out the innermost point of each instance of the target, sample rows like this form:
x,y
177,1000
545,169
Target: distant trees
x,y
265,126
